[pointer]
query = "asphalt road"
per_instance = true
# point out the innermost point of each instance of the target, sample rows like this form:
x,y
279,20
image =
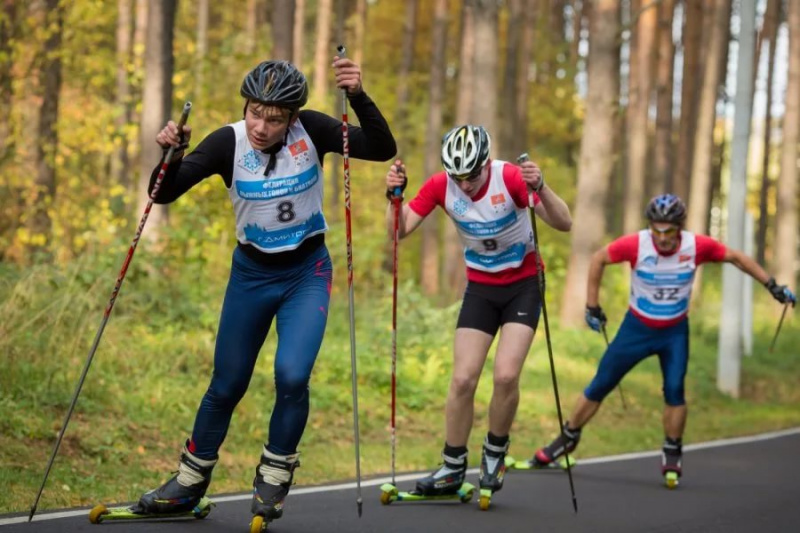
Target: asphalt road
x,y
739,485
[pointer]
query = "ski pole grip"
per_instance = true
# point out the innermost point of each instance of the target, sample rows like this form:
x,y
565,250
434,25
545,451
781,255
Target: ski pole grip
x,y
398,192
187,107
523,158
341,50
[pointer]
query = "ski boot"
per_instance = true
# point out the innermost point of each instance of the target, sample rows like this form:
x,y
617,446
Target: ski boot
x,y
671,455
182,495
445,483
493,469
548,457
271,485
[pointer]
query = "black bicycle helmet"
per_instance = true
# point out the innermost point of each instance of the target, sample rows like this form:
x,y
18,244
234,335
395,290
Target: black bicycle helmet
x,y
666,208
465,149
276,83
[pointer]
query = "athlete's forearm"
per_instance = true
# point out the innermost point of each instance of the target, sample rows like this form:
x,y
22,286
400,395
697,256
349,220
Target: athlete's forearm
x,y
747,265
557,209
596,267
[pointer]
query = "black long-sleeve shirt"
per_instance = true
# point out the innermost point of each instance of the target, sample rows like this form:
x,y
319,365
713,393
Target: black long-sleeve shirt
x,y
372,141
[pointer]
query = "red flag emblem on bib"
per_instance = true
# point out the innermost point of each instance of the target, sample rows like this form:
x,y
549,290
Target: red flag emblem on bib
x,y
498,199
684,258
298,148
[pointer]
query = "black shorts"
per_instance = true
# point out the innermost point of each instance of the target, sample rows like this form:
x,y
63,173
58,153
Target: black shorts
x,y
487,307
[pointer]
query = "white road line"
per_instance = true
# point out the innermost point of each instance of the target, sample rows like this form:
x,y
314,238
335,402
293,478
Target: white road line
x,y
408,477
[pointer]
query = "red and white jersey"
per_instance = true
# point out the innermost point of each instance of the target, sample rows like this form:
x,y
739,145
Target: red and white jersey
x,y
494,225
661,284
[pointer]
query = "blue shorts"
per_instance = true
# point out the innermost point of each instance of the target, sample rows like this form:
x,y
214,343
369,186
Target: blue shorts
x,y
633,343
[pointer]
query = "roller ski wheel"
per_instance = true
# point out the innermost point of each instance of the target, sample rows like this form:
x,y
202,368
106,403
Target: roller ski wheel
x,y
671,480
389,494
485,499
529,464
101,513
259,524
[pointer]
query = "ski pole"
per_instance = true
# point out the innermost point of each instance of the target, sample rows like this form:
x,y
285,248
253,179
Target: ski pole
x,y
540,275
619,386
397,202
341,51
780,323
164,165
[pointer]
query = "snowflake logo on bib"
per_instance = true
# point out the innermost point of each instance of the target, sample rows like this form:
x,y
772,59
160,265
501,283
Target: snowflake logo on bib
x,y
460,207
251,161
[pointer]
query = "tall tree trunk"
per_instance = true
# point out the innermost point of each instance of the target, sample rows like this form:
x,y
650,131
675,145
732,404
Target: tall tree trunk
x,y
201,52
557,20
786,214
360,31
8,22
156,101
322,49
430,228
299,33
485,66
139,45
704,139
509,112
520,121
49,88
664,86
119,161
694,21
637,115
406,62
578,7
597,154
453,264
769,34
282,28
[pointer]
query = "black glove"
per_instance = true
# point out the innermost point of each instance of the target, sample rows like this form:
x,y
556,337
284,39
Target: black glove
x,y
781,292
391,193
596,318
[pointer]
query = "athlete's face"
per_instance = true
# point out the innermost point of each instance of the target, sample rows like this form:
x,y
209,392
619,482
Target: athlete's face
x,y
666,236
266,125
473,182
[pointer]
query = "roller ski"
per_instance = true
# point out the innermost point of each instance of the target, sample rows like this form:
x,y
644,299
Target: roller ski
x,y
101,513
183,495
552,455
492,472
671,455
446,483
271,485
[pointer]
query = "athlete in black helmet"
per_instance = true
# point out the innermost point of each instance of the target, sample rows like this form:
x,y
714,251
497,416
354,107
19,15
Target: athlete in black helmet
x,y
663,259
271,165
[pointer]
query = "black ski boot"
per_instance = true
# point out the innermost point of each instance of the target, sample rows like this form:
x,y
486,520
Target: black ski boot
x,y
566,442
271,485
493,469
446,480
183,491
671,455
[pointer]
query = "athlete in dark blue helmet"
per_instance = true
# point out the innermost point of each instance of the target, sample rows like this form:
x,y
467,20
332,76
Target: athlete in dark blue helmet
x,y
663,258
271,165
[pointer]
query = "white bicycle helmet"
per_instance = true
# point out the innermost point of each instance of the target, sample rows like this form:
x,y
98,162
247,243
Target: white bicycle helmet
x,y
465,149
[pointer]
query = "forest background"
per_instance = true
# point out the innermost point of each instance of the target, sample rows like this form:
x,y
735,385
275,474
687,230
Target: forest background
x,y
617,100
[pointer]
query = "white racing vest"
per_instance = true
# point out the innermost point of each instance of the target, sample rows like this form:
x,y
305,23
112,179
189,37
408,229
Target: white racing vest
x,y
278,212
661,285
497,235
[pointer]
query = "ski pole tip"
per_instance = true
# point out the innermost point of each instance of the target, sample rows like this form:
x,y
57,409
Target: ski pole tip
x,y
360,505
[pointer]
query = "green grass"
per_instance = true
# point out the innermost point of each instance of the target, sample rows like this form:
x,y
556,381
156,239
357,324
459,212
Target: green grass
x,y
154,362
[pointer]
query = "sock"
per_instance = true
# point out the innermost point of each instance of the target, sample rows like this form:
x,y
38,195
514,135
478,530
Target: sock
x,y
494,440
456,454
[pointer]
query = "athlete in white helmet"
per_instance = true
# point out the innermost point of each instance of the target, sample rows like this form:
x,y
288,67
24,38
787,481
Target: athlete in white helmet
x,y
488,201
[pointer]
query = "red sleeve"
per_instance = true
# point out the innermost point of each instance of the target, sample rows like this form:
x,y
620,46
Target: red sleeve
x,y
516,186
626,248
708,250
431,194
